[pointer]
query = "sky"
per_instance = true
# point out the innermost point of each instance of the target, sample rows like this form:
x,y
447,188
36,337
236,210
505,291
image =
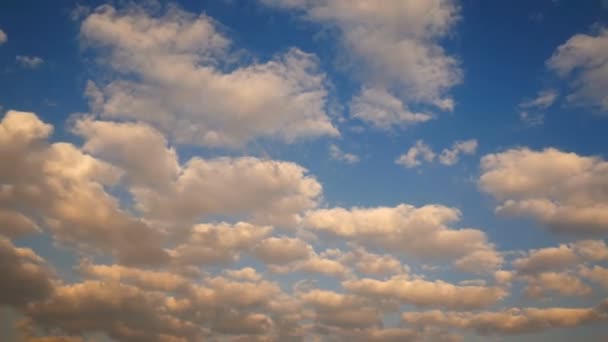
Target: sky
x,y
303,170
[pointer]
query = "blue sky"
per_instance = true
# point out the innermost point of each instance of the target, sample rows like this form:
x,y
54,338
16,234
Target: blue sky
x,y
362,154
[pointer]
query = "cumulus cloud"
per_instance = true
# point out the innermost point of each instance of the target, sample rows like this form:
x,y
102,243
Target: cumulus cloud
x,y
448,156
383,110
451,156
336,153
64,188
562,190
563,284
183,86
269,191
597,274
395,45
583,60
420,232
419,150
546,259
3,37
220,243
14,224
26,275
511,321
29,62
423,293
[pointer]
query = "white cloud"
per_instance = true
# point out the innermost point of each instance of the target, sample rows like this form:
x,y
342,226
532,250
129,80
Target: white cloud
x,y
29,62
583,60
423,293
448,156
451,156
410,159
336,153
596,273
561,190
63,190
26,275
383,110
511,321
184,86
419,232
395,45
531,111
543,100
3,37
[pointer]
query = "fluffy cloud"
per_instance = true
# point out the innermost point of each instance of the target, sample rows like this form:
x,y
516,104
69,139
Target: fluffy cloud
x,y
451,156
420,232
564,191
26,275
596,274
383,110
546,259
336,153
14,224
182,85
563,284
511,321
282,250
137,148
29,62
584,60
397,43
266,191
3,37
269,191
220,243
410,159
64,188
423,293
371,263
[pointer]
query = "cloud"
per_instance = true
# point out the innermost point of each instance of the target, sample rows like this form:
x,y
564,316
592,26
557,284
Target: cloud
x,y
559,189
451,156
337,154
26,275
3,37
371,263
419,232
29,62
383,110
511,321
583,61
543,100
531,110
393,46
563,284
185,86
410,159
270,192
14,224
220,243
282,250
596,274
423,293
63,188
546,259
448,156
